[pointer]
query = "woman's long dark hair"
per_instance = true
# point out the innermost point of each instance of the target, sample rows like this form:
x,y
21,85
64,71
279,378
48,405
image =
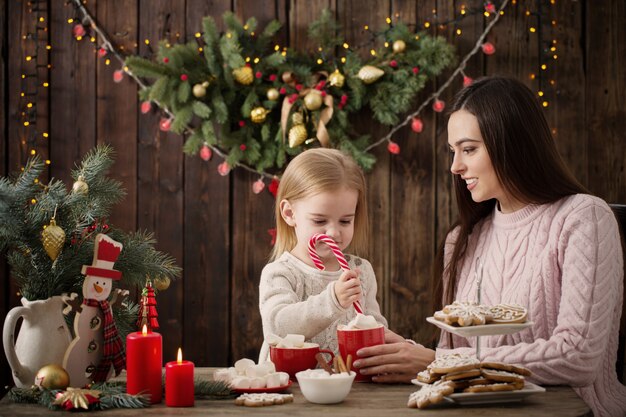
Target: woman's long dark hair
x,y
523,154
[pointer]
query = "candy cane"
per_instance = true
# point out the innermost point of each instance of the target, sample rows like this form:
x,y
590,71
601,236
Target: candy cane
x,y
338,254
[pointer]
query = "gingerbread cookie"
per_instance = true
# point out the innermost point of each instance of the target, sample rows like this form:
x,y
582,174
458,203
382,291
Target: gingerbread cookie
x,y
430,394
453,362
427,377
260,400
508,313
506,367
500,386
464,313
501,376
455,376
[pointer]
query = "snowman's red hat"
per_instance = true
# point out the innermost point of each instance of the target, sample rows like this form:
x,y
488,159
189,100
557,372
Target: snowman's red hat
x,y
105,253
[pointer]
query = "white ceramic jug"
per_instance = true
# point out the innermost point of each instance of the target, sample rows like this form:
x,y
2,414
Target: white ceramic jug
x,y
42,340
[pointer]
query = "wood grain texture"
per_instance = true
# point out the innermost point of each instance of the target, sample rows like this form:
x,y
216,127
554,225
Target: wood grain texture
x,y
5,377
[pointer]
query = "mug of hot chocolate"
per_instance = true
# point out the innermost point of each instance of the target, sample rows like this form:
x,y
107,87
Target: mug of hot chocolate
x,y
362,331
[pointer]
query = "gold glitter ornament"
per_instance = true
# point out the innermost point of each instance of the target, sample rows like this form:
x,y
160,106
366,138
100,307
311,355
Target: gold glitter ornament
x,y
399,46
297,135
297,118
336,79
370,74
258,114
76,396
53,238
243,75
80,186
199,90
313,100
162,284
52,377
273,94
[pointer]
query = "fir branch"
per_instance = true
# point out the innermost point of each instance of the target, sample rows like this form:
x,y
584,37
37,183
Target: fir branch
x,y
123,400
325,31
212,390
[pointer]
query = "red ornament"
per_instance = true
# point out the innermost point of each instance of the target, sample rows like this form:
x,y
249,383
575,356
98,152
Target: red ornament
x,y
415,70
102,52
184,77
242,123
416,125
293,98
298,87
272,77
393,148
323,93
243,147
258,74
320,85
165,124
223,169
490,7
393,63
282,90
146,106
118,76
272,233
273,187
206,153
79,30
147,309
488,48
166,60
467,81
439,105
258,186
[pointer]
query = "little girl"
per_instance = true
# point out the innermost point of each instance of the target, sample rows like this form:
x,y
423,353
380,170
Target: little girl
x,y
321,191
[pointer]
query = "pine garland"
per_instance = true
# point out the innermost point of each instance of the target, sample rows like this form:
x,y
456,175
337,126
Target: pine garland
x,y
221,115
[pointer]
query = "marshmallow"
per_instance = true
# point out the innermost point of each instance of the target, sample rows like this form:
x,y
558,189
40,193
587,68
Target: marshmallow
x,y
241,382
242,364
273,339
284,378
294,340
223,374
257,382
362,322
273,380
268,366
256,371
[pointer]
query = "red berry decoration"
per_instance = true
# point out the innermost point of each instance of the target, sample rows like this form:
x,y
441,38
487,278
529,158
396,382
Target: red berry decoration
x,y
166,60
416,70
205,153
242,123
488,48
146,106
273,77
243,147
282,90
467,81
258,74
393,148
416,125
393,63
438,106
273,187
184,77
298,87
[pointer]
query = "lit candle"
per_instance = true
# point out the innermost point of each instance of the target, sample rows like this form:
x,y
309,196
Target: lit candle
x,y
144,363
179,382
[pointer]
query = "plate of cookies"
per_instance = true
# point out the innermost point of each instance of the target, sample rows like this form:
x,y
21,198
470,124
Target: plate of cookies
x,y
469,319
464,380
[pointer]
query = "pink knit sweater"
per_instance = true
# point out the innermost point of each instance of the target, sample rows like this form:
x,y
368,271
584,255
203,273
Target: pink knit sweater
x,y
564,262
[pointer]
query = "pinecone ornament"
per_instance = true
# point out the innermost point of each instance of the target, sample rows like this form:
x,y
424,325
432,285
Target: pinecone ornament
x,y
297,135
53,238
336,79
258,114
243,75
370,74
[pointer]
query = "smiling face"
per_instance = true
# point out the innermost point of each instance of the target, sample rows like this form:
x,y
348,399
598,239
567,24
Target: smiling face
x,y
472,163
97,288
331,213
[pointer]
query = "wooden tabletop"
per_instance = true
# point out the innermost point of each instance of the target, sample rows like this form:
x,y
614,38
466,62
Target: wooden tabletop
x,y
364,400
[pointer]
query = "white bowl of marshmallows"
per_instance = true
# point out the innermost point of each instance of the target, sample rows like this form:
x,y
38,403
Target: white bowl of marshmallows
x,y
320,387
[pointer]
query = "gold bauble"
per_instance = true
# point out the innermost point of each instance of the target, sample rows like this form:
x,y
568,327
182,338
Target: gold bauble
x,y
52,377
297,118
205,84
297,135
370,74
199,90
336,79
273,94
53,238
243,75
399,46
162,284
258,114
287,77
80,186
313,100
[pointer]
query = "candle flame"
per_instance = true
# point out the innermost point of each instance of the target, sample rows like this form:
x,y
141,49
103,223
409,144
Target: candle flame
x,y
144,330
180,356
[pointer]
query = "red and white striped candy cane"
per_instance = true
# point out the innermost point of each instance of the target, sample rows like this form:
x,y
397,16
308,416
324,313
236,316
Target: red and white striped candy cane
x,y
320,237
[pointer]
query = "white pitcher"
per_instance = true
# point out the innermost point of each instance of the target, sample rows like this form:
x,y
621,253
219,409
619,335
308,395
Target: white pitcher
x,y
42,340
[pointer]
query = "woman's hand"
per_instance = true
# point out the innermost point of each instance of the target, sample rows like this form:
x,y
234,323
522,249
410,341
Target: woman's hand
x,y
348,288
395,361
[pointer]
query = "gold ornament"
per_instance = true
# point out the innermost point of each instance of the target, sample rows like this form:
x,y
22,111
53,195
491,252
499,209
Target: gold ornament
x,y
205,84
258,114
52,377
273,94
53,238
199,90
80,186
287,77
336,79
297,135
370,74
399,46
162,284
76,396
313,100
243,75
297,118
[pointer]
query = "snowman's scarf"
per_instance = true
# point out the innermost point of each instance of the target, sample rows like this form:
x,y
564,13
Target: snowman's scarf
x,y
113,348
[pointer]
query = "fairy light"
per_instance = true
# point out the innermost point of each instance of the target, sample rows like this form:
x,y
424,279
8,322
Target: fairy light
x,y
458,32
146,41
345,45
256,60
427,24
320,61
198,34
373,52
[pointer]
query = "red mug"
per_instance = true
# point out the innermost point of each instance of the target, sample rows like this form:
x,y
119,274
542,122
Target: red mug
x,y
293,360
351,340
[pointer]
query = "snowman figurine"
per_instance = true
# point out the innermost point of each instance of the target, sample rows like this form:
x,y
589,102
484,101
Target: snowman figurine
x,y
97,345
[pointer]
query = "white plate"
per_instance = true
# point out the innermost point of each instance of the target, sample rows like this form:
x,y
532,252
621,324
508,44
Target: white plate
x,y
469,398
483,330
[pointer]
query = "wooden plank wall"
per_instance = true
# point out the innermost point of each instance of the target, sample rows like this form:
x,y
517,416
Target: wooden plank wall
x,y
217,229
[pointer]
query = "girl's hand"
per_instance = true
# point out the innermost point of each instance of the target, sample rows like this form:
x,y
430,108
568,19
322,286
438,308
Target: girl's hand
x,y
348,288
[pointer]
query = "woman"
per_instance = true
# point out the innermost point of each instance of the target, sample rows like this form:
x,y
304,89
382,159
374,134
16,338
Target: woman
x,y
543,243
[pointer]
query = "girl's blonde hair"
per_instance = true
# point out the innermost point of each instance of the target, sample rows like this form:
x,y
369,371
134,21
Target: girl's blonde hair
x,y
312,172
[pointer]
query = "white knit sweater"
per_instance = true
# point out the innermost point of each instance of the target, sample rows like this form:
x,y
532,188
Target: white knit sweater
x,y
564,262
297,298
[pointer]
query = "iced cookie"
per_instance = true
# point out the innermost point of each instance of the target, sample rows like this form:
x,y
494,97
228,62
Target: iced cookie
x,y
430,394
500,386
508,313
260,400
453,362
501,376
464,313
506,367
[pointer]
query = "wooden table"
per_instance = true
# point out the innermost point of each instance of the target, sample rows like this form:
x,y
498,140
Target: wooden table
x,y
364,400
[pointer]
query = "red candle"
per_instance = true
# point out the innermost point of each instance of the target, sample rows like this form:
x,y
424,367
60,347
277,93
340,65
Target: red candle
x,y
144,362
179,382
